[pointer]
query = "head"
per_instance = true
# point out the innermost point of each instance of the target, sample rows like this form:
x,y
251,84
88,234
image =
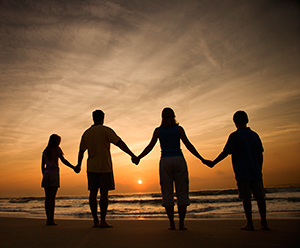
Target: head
x,y
98,116
168,118
240,118
54,141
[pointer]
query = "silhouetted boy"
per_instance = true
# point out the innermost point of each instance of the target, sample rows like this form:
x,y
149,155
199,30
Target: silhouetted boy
x,y
247,158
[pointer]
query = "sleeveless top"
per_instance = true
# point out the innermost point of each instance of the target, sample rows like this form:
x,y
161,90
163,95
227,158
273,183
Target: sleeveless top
x,y
169,139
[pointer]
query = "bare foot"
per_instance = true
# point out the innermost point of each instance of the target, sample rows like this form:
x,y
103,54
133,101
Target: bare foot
x,y
51,223
96,224
264,226
104,224
182,227
248,228
172,225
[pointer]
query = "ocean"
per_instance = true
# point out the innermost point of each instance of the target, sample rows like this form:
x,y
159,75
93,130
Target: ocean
x,y
208,204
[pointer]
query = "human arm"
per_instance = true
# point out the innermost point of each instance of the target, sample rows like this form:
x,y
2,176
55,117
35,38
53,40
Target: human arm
x,y
121,144
150,146
220,157
43,164
77,169
261,157
66,162
189,145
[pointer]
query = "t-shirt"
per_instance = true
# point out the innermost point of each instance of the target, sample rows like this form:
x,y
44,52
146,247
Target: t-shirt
x,y
169,139
52,163
246,149
97,141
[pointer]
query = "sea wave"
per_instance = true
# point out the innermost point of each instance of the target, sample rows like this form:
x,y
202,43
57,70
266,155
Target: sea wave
x,y
150,196
204,204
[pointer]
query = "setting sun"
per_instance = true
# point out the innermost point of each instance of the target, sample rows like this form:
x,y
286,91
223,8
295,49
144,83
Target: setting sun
x,y
140,181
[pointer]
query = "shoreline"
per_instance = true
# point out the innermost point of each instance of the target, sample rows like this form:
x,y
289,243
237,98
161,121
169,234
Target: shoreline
x,y
231,216
32,232
236,216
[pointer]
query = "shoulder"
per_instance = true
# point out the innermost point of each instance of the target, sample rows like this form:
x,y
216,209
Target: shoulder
x,y
232,135
110,134
87,130
255,134
59,150
181,132
107,129
250,130
180,128
96,128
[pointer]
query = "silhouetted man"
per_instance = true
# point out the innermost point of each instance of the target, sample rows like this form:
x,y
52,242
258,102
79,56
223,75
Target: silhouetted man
x,y
97,140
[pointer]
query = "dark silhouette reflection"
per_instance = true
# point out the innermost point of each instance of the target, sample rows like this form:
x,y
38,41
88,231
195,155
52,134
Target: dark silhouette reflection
x,y
247,159
173,167
50,171
97,140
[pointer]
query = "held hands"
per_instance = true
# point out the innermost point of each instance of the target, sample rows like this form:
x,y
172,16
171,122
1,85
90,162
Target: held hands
x,y
77,168
135,160
209,163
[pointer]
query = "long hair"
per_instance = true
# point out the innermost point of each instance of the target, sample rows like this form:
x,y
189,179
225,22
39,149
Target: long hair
x,y
53,143
168,118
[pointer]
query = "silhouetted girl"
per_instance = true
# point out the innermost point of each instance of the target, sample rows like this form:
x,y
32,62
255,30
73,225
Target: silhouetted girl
x,y
173,167
50,172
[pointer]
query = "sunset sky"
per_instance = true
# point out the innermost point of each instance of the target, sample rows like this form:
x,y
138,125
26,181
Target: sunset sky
x,y
60,60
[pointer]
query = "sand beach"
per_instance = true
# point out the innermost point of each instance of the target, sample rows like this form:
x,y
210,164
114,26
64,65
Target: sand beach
x,y
29,232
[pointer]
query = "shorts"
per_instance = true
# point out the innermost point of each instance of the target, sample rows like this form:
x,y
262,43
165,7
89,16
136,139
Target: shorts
x,y
50,180
174,169
246,187
104,181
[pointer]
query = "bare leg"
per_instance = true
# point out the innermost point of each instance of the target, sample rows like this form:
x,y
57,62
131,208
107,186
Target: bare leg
x,y
50,194
170,214
93,206
47,200
182,213
261,203
103,208
248,212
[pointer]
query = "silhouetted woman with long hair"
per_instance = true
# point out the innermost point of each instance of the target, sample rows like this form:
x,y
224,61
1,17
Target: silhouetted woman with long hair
x,y
50,171
173,167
